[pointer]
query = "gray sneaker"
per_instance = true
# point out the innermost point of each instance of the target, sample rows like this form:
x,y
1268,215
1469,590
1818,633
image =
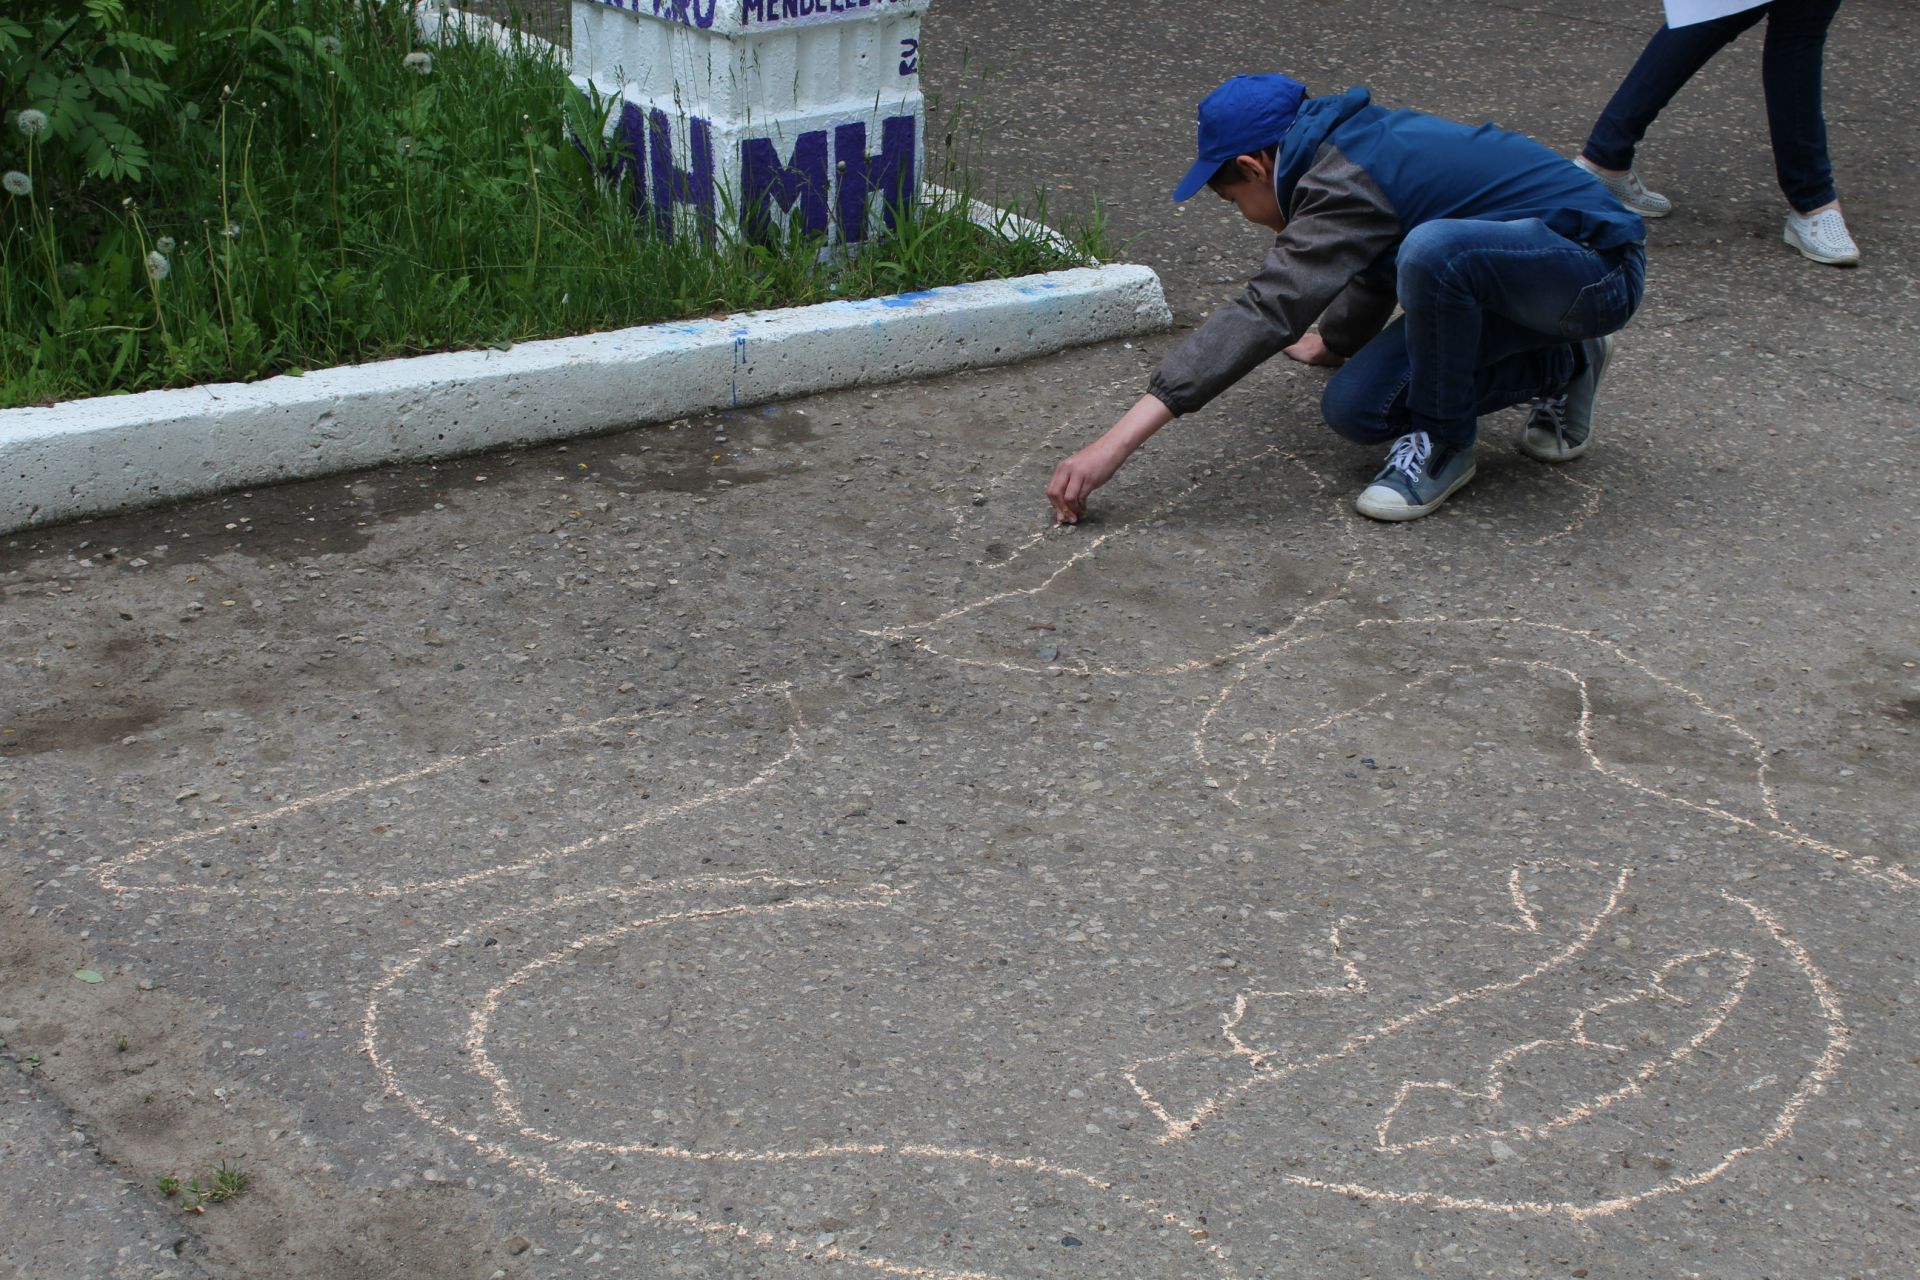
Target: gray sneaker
x,y
1561,427
1416,479
1629,190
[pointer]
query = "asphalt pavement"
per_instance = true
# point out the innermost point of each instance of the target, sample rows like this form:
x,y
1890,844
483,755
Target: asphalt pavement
x,y
765,846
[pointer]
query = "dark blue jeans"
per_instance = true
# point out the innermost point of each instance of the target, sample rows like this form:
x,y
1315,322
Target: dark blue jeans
x,y
1789,69
1494,313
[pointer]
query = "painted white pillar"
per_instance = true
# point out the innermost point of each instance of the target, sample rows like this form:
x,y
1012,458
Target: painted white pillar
x,y
806,110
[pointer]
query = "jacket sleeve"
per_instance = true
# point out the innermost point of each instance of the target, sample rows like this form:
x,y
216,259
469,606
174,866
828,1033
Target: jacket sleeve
x,y
1340,223
1360,312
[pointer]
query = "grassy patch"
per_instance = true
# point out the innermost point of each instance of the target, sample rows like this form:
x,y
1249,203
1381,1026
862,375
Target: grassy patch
x,y
306,184
225,1183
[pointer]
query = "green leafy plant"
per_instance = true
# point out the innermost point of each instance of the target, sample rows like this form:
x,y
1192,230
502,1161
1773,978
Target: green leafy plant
x,y
94,80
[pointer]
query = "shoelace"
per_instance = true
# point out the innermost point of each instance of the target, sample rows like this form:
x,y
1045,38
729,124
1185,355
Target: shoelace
x,y
1410,454
1551,411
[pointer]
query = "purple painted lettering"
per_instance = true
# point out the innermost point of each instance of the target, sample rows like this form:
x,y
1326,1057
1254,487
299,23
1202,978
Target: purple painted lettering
x,y
766,183
628,156
673,185
892,173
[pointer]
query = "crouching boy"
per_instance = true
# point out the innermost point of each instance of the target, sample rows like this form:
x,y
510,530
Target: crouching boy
x,y
1511,266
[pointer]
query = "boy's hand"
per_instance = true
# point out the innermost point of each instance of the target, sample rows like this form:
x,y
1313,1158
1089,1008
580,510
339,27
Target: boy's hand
x,y
1094,465
1312,349
1077,477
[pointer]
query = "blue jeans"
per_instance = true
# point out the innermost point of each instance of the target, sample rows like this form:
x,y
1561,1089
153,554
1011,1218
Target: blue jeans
x,y
1494,315
1790,67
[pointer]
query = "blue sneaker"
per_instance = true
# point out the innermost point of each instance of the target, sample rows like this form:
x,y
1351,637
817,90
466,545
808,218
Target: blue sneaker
x,y
1416,479
1561,427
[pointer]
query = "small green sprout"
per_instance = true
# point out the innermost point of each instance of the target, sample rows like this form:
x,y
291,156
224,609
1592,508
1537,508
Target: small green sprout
x,y
228,1182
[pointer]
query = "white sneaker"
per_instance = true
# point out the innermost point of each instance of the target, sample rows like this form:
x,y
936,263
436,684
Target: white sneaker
x,y
1822,237
1629,190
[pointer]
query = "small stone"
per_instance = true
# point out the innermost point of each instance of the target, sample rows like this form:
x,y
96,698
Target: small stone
x,y
518,1244
979,499
1071,1242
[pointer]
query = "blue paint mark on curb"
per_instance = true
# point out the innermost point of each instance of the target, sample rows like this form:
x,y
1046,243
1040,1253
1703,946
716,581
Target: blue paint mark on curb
x,y
739,361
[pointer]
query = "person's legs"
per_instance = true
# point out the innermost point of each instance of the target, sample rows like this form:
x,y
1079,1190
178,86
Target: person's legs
x,y
1790,68
1505,298
1670,59
1366,399
1494,311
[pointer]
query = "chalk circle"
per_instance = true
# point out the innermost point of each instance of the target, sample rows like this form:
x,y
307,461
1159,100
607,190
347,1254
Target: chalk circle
x,y
679,1130
528,806
1175,585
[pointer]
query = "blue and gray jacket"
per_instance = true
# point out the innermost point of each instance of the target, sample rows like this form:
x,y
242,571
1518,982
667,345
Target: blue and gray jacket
x,y
1354,179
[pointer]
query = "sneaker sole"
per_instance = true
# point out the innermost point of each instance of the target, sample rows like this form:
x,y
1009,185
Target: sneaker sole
x,y
1551,452
1396,513
1832,260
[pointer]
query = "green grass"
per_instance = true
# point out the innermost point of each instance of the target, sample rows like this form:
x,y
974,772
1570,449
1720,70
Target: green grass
x,y
314,200
225,1183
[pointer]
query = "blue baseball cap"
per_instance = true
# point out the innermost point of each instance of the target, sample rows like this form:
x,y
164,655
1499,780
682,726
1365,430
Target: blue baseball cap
x,y
1239,118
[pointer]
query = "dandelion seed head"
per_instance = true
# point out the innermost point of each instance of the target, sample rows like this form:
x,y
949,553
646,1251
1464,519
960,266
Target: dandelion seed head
x,y
190,112
17,183
329,44
418,62
165,244
233,231
31,123
69,274
404,145
158,265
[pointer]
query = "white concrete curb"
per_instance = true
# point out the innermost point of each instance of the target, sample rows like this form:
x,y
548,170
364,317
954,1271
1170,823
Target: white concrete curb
x,y
89,457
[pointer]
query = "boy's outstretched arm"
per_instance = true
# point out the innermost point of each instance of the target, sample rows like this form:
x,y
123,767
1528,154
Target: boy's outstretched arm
x,y
1093,466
